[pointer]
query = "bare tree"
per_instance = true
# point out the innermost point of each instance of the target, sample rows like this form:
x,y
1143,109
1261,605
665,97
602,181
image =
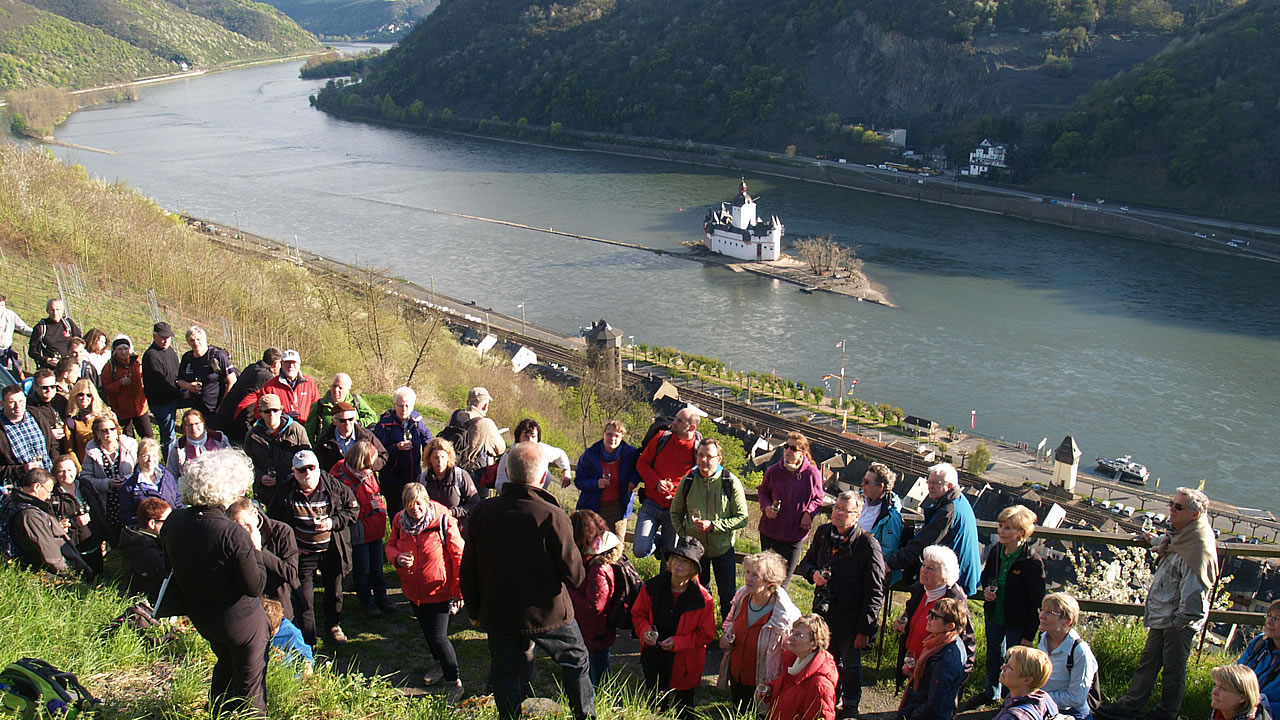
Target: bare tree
x,y
824,255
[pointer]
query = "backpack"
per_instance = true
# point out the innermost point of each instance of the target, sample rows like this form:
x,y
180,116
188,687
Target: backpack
x,y
31,688
726,485
456,433
661,429
9,509
626,588
1095,689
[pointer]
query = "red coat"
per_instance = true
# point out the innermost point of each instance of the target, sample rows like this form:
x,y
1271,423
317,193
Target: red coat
x,y
696,628
128,401
436,560
807,696
589,602
373,507
296,401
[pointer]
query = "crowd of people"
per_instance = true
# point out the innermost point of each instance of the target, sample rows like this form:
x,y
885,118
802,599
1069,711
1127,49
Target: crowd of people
x,y
242,488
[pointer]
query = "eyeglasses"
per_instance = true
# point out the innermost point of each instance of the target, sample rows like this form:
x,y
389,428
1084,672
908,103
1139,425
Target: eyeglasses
x,y
1273,618
42,388
305,468
84,394
344,420
271,410
792,448
1054,613
935,614
1176,506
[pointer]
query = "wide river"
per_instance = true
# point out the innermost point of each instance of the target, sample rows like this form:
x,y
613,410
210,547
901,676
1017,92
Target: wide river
x,y
1169,355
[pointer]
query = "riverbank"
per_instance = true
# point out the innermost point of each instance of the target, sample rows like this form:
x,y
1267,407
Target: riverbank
x,y
1162,227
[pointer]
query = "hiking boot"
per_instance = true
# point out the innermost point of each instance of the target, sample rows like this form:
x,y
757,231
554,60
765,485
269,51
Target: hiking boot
x,y
338,636
453,691
433,677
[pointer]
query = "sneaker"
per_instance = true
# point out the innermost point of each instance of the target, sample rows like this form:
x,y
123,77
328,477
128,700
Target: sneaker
x,y
433,677
338,636
453,693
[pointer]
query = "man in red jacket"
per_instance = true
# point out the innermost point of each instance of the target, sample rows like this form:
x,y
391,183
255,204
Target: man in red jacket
x,y
668,457
517,566
296,391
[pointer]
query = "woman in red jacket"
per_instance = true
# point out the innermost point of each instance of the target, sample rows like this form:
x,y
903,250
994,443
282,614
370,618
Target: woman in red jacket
x,y
675,619
600,549
356,472
806,688
426,548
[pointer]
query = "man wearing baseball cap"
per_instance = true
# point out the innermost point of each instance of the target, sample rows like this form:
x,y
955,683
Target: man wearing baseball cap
x,y
296,391
160,381
321,511
272,444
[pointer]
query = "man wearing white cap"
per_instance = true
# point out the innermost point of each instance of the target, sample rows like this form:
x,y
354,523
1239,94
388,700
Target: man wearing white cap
x,y
296,391
321,511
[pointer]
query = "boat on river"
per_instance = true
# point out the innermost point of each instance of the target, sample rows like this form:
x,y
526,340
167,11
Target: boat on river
x,y
1124,469
734,230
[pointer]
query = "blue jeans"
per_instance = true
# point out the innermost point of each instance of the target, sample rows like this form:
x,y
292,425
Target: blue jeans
x,y
849,660
999,639
564,644
653,522
599,661
166,418
366,573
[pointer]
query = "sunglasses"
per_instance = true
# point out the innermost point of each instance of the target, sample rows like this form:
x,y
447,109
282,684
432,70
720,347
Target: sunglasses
x,y
344,420
46,387
306,468
934,614
792,448
272,410
84,395
1176,506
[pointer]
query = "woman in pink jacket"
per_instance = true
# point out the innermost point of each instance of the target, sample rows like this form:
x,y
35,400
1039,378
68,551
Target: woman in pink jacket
x,y
426,548
356,472
756,628
592,598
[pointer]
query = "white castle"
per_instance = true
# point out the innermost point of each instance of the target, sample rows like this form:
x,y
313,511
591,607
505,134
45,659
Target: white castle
x,y
735,231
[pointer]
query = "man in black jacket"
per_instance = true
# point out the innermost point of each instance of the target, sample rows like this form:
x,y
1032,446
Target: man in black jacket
x,y
51,337
37,533
848,573
229,419
321,511
160,381
335,438
516,571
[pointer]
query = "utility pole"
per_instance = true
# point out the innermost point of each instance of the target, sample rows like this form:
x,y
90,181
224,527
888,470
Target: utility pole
x,y
522,323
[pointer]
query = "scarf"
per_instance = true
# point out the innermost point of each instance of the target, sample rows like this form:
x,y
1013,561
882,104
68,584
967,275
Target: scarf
x,y
933,644
1196,546
798,666
933,595
606,456
415,527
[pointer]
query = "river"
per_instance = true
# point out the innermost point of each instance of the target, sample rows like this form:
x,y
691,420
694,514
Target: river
x,y
1169,355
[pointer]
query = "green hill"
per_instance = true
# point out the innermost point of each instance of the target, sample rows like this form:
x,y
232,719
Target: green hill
x,y
81,43
357,19
1196,127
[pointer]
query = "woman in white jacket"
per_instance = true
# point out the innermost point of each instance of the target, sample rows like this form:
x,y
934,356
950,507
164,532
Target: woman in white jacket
x,y
756,628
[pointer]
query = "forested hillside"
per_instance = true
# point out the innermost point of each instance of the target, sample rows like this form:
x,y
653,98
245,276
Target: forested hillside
x,y
80,43
357,19
1196,127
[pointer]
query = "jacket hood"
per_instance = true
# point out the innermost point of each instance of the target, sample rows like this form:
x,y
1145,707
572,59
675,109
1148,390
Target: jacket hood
x,y
285,421
1036,706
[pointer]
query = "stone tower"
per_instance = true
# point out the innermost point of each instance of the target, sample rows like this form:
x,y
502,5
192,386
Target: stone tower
x,y
604,352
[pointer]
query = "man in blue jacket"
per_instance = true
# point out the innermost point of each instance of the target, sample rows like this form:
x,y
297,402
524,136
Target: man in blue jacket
x,y
882,510
948,521
607,478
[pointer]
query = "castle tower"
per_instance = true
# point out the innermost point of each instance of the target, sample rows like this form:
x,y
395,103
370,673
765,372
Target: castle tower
x,y
604,352
1066,463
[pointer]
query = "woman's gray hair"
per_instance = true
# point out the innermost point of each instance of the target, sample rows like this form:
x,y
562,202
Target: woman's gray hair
x,y
405,392
944,556
770,566
216,478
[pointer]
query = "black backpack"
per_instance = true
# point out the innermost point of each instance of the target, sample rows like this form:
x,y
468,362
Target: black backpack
x,y
1095,690
456,433
626,588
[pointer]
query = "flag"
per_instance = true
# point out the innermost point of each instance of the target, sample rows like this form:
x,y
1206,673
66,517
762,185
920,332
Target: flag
x,y
827,377
973,418
855,381
840,344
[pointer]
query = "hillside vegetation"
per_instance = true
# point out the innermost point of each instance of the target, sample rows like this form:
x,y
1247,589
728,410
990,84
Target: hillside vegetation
x,y
83,43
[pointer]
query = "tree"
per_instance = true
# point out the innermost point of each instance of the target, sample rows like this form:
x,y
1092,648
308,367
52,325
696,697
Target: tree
x,y
979,460
823,255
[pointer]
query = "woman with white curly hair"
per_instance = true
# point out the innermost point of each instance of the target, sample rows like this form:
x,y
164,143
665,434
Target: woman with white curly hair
x,y
218,572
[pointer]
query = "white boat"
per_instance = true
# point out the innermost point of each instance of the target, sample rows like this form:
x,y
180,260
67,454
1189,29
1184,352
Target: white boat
x,y
734,230
1124,469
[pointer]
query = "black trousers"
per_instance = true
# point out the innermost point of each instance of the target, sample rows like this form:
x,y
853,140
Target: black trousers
x,y
304,598
239,638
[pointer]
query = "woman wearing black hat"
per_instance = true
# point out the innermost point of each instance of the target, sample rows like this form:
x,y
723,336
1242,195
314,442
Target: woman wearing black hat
x,y
675,619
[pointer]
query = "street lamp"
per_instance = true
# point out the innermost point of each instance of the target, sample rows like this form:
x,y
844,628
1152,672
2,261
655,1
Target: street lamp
x,y
631,339
522,323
